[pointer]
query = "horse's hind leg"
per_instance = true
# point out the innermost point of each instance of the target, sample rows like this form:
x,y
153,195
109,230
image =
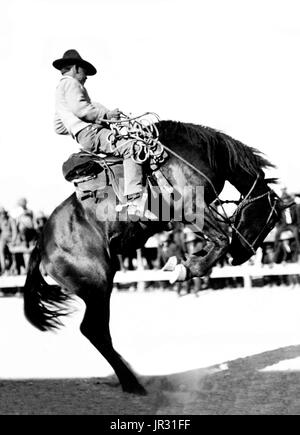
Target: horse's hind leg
x,y
95,326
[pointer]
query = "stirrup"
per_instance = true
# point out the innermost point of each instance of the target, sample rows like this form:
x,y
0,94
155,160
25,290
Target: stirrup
x,y
137,205
129,203
139,213
136,209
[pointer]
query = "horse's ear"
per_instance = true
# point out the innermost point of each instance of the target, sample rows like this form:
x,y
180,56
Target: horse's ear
x,y
271,180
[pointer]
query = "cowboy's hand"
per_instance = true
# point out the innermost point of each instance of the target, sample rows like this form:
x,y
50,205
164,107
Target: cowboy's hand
x,y
114,114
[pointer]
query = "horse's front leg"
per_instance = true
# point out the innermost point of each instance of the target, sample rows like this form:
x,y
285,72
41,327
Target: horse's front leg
x,y
200,262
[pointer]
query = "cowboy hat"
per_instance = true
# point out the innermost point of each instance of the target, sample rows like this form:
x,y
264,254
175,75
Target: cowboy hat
x,y
72,57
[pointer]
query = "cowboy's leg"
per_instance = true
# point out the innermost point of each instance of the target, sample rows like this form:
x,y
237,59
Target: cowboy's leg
x,y
98,140
133,172
133,177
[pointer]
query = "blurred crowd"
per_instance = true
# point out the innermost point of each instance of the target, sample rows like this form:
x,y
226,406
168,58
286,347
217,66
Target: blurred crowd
x,y
20,228
282,246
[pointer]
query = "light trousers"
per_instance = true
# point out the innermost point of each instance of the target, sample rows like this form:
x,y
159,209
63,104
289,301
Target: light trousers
x,y
96,139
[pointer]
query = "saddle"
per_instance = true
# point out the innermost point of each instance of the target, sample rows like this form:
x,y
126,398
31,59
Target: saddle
x,y
91,174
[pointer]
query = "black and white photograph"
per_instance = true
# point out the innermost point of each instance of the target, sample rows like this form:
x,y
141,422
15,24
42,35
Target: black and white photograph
x,y
150,210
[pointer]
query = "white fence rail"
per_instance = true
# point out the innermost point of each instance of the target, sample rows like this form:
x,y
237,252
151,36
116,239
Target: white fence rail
x,y
246,272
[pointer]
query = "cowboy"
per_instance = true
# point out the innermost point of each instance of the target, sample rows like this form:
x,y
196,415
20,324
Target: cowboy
x,y
84,120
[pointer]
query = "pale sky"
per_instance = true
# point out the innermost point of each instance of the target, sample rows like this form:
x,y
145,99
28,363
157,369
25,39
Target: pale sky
x,y
233,65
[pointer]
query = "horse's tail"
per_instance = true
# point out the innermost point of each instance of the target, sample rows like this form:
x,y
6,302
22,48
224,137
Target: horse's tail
x,y
43,304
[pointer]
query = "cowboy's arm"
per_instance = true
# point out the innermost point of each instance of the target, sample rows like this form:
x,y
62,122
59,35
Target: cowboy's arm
x,y
59,126
79,103
103,112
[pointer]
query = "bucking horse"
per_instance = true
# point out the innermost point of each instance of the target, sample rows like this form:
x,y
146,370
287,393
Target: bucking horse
x,y
80,245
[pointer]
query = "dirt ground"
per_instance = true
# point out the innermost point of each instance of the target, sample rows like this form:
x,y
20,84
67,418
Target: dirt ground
x,y
256,356
240,389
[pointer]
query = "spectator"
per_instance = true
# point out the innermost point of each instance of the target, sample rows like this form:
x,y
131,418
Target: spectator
x,y
25,223
40,220
268,248
287,235
8,236
295,213
173,246
190,239
150,251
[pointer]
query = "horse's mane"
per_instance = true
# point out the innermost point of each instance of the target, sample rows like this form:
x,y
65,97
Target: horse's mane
x,y
215,145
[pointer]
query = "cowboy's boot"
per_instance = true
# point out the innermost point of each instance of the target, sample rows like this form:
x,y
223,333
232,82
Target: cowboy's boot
x,y
134,190
133,177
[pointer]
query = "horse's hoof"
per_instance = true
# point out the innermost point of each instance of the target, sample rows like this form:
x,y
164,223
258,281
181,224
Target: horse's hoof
x,y
150,216
180,274
170,264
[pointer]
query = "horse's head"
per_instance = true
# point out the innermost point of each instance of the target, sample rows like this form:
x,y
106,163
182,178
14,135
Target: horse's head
x,y
254,218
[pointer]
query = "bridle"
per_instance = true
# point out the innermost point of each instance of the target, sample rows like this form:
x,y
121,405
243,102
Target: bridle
x,y
244,202
137,125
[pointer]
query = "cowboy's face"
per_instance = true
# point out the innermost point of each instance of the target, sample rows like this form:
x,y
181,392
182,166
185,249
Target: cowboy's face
x,y
81,74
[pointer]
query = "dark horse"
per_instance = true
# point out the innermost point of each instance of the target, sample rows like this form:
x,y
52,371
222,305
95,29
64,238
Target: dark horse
x,y
80,251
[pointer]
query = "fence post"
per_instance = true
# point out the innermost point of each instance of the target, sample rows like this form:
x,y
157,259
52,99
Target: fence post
x,y
247,279
140,285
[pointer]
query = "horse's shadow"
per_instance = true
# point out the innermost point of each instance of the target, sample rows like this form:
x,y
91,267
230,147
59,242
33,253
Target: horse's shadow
x,y
235,387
